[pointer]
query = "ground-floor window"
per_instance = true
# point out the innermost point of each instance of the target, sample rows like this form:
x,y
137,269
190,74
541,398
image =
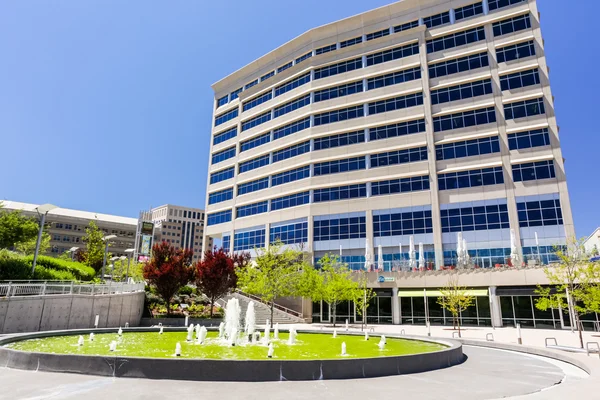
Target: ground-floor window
x,y
413,312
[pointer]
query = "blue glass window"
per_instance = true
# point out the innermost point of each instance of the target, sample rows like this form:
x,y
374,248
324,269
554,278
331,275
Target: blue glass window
x,y
527,108
220,196
539,213
339,228
403,185
222,175
258,120
257,101
223,155
267,76
293,84
339,115
292,105
253,164
291,151
464,119
459,65
351,42
467,148
394,130
528,139
437,19
340,193
394,78
398,157
337,166
520,79
222,118
249,85
235,94
468,11
252,209
226,242
459,92
456,39
480,218
223,100
255,142
218,217
224,136
254,186
512,25
249,240
338,68
326,49
402,223
289,233
291,128
343,139
378,34
497,4
406,26
304,57
290,176
338,91
533,171
396,103
515,51
392,54
292,200
284,67
472,178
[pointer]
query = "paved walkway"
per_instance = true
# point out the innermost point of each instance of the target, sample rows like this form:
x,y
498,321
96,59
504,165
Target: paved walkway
x,y
487,374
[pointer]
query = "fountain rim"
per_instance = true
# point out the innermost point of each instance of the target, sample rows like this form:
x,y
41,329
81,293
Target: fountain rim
x,y
448,344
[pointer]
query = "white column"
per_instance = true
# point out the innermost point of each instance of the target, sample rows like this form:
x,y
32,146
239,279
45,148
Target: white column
x,y
364,84
486,7
368,188
495,309
366,109
395,307
452,16
364,61
420,21
367,136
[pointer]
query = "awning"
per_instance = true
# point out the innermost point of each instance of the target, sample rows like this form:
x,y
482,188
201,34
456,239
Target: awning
x,y
438,293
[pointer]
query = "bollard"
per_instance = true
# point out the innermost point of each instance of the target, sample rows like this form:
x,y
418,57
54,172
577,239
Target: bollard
x,y
186,321
519,339
97,321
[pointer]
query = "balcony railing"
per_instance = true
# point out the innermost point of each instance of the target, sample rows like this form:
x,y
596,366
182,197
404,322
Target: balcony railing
x,y
19,289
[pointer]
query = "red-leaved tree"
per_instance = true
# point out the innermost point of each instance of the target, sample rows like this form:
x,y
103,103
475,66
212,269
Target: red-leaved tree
x,y
215,273
169,270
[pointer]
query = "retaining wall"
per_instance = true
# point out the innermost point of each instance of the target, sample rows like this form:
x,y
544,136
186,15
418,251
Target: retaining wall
x,y
66,311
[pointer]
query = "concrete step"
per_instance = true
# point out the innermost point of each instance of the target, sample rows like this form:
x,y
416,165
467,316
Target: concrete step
x,y
262,311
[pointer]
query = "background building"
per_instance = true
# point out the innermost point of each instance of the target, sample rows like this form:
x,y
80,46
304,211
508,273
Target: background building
x,y
182,227
422,119
67,227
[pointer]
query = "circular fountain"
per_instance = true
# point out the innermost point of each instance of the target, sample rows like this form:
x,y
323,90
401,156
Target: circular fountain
x,y
231,352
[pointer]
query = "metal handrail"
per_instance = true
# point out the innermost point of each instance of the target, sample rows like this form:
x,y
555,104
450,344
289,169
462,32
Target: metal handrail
x,y
18,289
275,305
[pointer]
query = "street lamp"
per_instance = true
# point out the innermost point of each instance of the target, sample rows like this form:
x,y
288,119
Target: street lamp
x,y
43,211
106,239
129,253
113,260
72,250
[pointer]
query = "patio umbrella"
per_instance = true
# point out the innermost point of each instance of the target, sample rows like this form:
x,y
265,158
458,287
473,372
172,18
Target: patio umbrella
x,y
379,258
514,256
412,262
421,256
367,255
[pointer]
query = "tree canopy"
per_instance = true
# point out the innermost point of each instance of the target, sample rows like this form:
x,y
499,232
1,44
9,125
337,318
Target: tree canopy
x,y
16,229
93,256
455,299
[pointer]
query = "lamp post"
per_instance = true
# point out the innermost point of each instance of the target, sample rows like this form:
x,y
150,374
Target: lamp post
x,y
72,250
43,211
106,239
113,260
129,253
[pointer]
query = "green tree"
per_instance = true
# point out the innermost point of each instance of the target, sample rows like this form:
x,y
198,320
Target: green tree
x,y
28,247
574,281
94,252
275,273
15,228
363,296
455,299
136,270
337,284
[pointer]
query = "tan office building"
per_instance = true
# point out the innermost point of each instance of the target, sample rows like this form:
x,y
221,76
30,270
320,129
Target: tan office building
x,y
67,227
422,119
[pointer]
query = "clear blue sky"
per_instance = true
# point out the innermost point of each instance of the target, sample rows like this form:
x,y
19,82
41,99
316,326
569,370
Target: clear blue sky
x,y
92,91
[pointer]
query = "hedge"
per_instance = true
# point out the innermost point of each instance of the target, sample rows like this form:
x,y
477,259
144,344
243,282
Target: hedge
x,y
47,274
79,271
13,266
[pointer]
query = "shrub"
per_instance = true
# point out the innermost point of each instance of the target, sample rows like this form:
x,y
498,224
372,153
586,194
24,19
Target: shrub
x,y
13,266
47,274
187,290
79,271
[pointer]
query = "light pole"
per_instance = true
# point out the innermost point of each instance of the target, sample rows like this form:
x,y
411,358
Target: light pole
x,y
43,211
129,253
113,260
106,239
72,250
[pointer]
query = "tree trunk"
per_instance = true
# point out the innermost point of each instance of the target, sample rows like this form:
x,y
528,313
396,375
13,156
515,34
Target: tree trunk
x,y
333,313
579,330
458,324
212,305
272,307
168,307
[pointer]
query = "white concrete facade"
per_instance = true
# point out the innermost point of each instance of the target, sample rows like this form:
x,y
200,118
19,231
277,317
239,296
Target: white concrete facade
x,y
370,206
